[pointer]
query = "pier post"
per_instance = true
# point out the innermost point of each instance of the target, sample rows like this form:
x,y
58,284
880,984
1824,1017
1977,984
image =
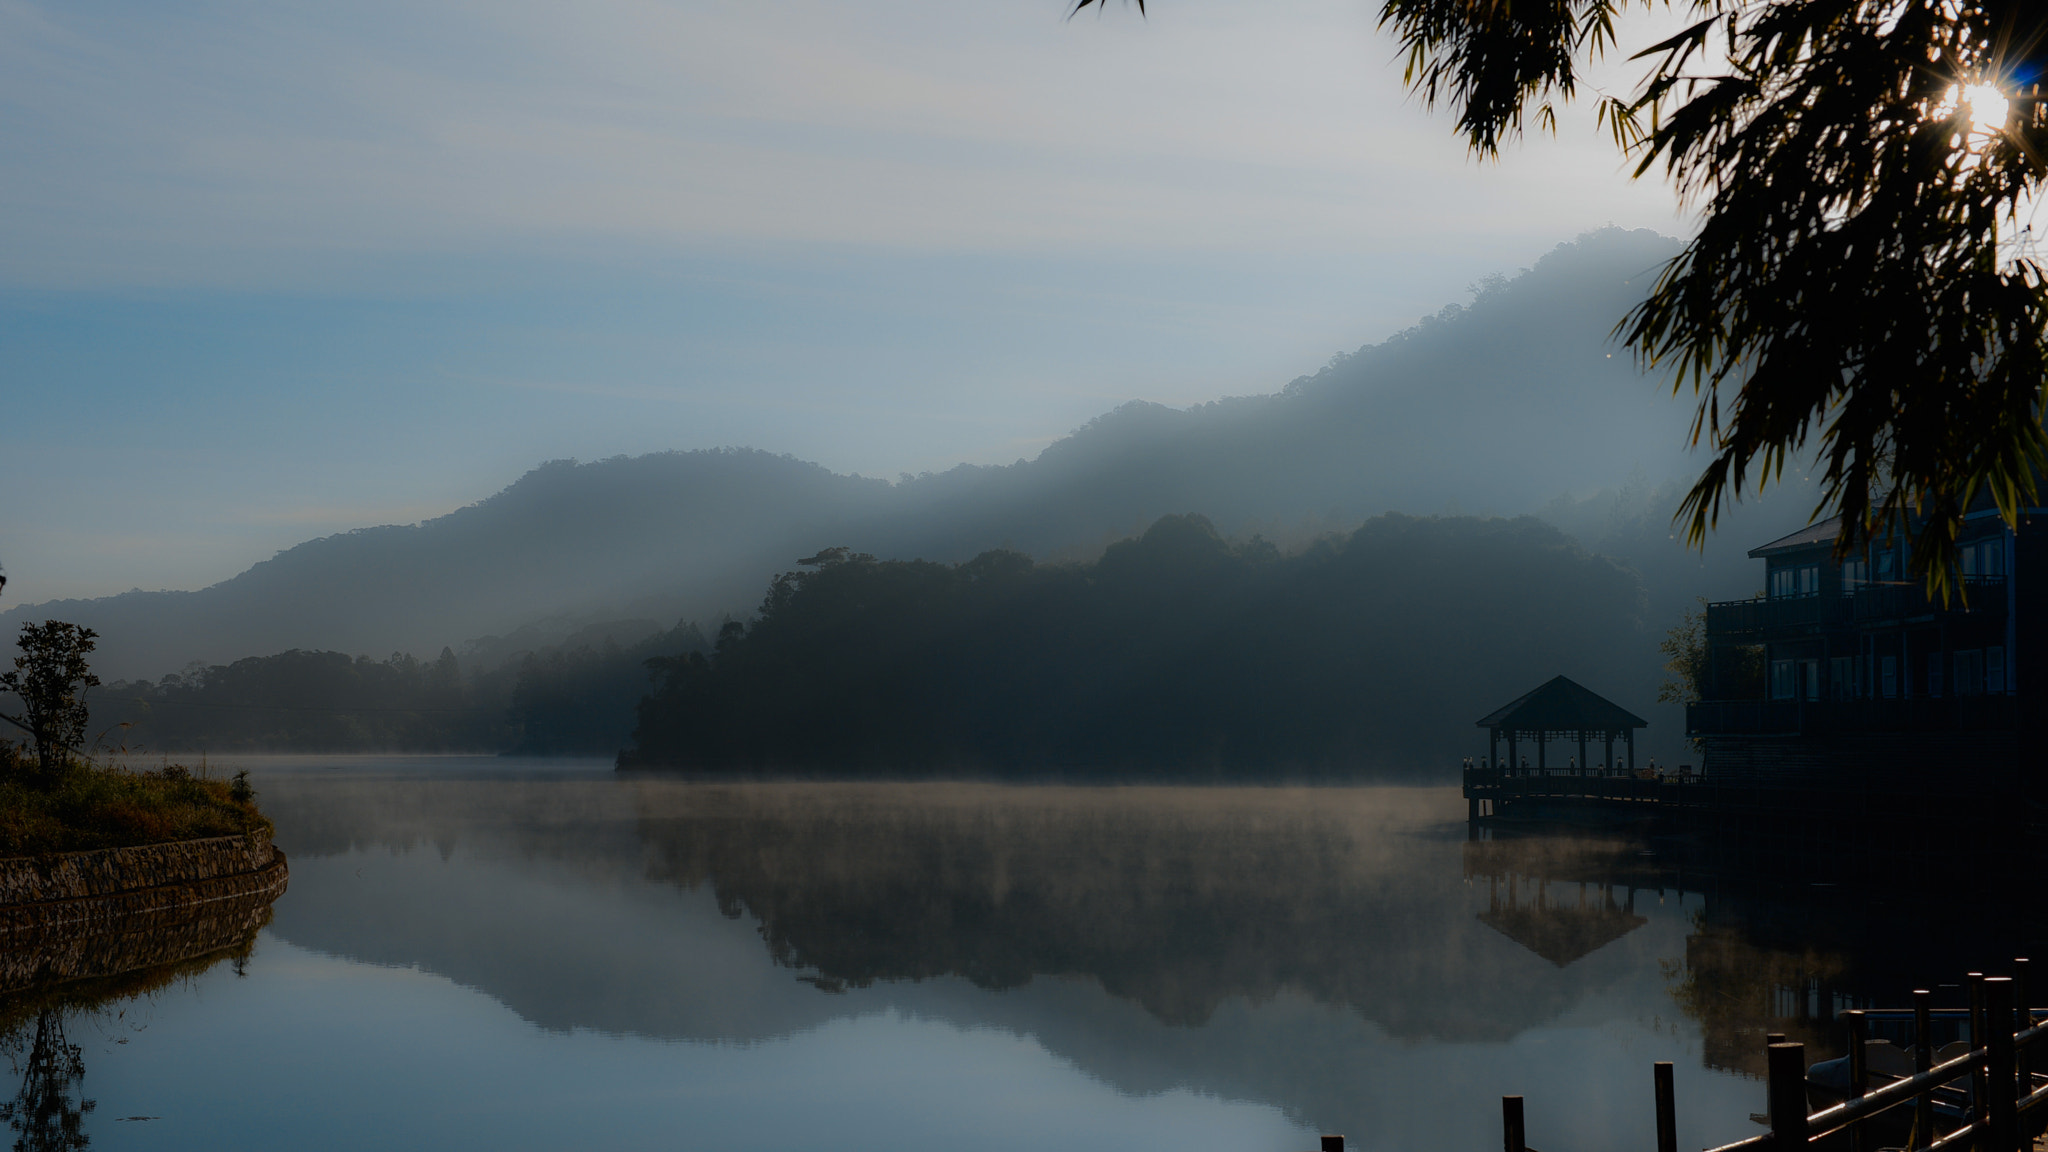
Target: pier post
x,y
2023,1016
1785,1066
1859,1069
2002,1102
1980,1084
1333,1144
1923,1059
1667,1108
1513,1138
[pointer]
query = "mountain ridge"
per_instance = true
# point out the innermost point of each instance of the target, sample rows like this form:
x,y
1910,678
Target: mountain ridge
x,y
1500,405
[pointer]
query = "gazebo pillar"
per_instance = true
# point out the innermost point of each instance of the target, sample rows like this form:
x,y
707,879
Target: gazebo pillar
x,y
1582,751
1631,751
1608,763
1542,745
1492,749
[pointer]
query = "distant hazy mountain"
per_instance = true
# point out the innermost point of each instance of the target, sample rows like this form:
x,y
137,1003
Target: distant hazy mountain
x,y
1517,402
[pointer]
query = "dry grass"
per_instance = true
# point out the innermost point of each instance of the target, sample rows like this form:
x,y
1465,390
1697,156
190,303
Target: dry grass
x,y
91,807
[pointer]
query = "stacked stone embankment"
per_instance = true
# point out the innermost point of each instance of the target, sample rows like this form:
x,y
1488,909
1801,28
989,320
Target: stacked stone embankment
x,y
75,914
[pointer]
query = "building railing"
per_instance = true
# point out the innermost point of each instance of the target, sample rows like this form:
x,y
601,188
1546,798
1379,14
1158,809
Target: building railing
x,y
1728,618
1983,594
1819,717
1771,614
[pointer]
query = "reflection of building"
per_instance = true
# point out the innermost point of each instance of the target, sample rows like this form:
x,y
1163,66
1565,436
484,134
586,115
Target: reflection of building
x,y
1562,898
1848,672
1561,931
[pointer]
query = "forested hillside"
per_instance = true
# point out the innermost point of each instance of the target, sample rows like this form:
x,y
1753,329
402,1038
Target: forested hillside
x,y
1515,402
1176,653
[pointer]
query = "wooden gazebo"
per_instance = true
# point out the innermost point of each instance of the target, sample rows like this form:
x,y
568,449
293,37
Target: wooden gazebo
x,y
1560,710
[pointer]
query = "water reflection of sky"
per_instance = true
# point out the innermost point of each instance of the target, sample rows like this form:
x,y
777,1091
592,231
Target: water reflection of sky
x,y
484,958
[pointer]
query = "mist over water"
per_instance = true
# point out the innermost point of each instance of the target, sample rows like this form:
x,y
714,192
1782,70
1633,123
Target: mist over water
x,y
538,954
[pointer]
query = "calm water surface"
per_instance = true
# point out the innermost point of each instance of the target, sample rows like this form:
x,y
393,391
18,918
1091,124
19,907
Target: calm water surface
x,y
483,953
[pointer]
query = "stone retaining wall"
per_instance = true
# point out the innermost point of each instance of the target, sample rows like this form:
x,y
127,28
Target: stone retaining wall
x,y
49,952
111,871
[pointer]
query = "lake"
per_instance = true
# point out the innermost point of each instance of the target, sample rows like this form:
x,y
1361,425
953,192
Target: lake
x,y
480,952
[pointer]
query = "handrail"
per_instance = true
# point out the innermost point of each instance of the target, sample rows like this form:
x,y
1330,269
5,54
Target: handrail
x,y
1891,1095
1993,1120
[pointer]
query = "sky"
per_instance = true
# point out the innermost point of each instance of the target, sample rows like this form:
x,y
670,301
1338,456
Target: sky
x,y
274,270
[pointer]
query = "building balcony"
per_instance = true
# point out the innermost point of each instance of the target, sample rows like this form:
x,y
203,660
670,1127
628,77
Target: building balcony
x,y
1777,614
1848,717
1756,620
1985,596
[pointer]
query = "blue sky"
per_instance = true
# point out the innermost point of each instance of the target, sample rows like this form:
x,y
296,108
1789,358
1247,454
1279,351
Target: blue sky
x,y
270,271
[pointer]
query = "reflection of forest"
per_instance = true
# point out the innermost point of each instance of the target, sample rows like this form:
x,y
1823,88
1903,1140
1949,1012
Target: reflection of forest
x,y
1294,925
1173,898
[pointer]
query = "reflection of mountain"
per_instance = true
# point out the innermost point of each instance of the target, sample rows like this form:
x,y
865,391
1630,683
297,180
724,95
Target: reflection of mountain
x,y
1316,949
1178,900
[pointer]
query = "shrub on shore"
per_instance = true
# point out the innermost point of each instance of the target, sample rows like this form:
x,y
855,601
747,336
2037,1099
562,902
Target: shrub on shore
x,y
88,807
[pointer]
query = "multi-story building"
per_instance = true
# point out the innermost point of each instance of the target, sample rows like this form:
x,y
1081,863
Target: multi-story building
x,y
1848,676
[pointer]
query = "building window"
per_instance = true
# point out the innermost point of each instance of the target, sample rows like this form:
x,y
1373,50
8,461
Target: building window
x,y
1784,679
1841,677
1888,676
1855,574
1887,566
1934,673
1809,675
1994,669
1801,581
1984,557
1970,672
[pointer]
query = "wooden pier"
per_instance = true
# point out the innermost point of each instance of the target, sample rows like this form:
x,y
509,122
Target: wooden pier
x,y
1990,1097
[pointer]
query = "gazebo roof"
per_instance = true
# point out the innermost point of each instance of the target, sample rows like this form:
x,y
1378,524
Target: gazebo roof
x,y
1560,705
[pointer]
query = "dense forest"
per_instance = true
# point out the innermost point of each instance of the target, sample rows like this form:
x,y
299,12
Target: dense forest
x,y
1177,652
571,697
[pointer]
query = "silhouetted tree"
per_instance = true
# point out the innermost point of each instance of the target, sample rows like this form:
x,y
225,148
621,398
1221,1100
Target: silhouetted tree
x,y
44,1114
49,678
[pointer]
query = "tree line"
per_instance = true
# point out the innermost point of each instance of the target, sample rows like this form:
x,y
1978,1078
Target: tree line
x,y
567,699
1176,652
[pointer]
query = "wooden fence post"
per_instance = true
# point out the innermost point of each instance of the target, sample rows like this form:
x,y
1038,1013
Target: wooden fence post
x,y
1513,1138
1923,1059
2001,1103
1786,1067
1667,1107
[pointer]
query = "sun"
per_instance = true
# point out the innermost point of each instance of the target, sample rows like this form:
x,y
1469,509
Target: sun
x,y
1986,105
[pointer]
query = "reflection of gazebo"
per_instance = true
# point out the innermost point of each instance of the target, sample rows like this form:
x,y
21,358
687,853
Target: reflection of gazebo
x,y
1561,710
1561,933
